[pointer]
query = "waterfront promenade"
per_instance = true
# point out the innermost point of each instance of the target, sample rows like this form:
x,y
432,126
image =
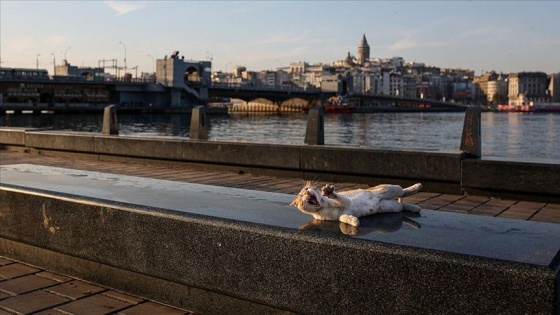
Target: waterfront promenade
x,y
25,288
476,205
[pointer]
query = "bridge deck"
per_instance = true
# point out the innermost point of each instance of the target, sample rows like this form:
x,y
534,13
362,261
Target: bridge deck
x,y
37,285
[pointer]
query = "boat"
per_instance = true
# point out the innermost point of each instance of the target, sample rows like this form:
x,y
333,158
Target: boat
x,y
534,107
337,104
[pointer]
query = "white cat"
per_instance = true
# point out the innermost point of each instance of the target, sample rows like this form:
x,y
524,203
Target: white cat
x,y
348,206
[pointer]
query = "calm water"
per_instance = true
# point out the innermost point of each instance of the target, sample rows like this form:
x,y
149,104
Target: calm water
x,y
510,135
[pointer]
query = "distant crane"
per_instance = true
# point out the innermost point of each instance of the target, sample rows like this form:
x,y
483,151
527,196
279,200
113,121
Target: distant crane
x,y
112,66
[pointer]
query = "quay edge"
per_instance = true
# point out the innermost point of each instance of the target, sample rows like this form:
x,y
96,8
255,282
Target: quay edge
x,y
445,172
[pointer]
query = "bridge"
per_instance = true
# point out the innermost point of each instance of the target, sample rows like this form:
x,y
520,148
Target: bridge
x,y
78,94
316,97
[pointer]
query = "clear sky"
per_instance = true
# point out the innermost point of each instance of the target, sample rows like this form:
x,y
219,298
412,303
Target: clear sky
x,y
506,36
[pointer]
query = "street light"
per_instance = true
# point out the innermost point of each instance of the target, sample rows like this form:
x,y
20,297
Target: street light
x,y
65,54
54,63
38,60
124,57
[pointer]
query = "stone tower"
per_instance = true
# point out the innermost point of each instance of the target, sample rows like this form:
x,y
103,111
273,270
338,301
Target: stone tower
x,y
363,51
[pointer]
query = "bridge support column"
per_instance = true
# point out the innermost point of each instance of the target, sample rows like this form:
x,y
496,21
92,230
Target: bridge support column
x,y
199,124
110,123
314,133
471,139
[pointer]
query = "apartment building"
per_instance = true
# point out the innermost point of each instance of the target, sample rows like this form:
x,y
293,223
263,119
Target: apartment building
x,y
490,87
528,88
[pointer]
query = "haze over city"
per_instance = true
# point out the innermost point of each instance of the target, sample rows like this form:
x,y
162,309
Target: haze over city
x,y
480,35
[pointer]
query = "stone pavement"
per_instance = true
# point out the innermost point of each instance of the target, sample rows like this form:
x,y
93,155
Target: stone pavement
x,y
27,289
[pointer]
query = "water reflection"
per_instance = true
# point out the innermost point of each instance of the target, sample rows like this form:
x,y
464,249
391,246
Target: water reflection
x,y
511,135
379,223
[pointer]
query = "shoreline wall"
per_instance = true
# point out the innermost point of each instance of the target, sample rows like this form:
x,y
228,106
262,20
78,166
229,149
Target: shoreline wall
x,y
445,172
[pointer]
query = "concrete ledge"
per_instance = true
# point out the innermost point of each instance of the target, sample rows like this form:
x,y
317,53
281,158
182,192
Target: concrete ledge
x,y
251,249
513,177
13,135
248,154
414,165
155,148
57,140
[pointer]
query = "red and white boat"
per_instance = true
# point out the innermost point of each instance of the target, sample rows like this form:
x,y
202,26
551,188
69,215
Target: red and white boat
x,y
338,105
538,107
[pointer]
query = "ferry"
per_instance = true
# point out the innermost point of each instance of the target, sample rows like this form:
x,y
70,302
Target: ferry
x,y
337,104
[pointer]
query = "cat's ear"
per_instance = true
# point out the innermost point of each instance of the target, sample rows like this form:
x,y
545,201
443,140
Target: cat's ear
x,y
308,184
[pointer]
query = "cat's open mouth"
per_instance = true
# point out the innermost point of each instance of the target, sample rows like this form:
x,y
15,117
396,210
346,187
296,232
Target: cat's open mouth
x,y
312,200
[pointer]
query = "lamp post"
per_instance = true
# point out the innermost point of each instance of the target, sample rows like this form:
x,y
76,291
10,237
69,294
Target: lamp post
x,y
54,63
65,54
38,60
124,56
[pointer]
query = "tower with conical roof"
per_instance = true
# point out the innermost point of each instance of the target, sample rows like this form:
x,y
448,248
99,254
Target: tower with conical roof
x,y
363,51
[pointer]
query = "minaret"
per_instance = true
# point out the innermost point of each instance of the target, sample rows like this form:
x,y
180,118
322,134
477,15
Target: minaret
x,y
363,51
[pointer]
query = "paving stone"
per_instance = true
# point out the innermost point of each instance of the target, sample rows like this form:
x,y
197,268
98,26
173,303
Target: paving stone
x,y
439,201
4,295
123,297
549,213
419,198
152,308
455,208
50,312
2,312
25,284
32,302
493,207
94,305
52,276
16,270
75,289
4,261
522,210
465,205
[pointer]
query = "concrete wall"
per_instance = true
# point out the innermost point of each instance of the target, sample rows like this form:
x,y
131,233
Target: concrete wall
x,y
215,265
447,172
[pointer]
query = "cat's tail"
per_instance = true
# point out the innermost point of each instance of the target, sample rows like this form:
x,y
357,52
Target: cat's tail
x,y
411,190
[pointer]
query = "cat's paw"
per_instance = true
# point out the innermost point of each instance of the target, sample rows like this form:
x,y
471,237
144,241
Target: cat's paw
x,y
349,219
411,208
348,229
327,190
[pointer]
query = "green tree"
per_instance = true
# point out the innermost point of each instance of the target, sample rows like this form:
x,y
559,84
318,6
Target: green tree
x,y
498,98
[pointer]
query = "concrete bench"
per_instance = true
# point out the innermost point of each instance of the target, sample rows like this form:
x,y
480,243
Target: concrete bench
x,y
225,250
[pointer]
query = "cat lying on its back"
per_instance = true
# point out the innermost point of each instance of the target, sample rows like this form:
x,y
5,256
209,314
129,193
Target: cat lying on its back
x,y
348,206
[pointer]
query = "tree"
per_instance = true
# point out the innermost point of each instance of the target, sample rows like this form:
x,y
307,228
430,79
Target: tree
x,y
498,98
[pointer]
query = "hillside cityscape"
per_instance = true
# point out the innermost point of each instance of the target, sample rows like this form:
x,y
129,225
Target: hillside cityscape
x,y
363,74
357,74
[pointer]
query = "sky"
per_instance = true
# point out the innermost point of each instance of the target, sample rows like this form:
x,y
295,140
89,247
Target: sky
x,y
504,36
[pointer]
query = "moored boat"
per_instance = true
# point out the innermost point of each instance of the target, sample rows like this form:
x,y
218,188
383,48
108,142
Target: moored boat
x,y
537,107
338,105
